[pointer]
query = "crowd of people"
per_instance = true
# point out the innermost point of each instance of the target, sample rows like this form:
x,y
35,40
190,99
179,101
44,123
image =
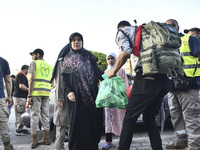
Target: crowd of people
x,y
76,76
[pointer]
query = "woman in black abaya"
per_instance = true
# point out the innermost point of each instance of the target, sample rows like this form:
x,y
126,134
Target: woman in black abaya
x,y
81,76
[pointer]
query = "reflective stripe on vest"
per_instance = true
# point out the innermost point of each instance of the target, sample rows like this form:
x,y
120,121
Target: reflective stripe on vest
x,y
190,62
42,86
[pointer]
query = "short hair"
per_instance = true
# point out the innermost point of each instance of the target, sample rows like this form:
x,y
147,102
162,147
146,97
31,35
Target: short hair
x,y
24,67
12,76
176,22
123,24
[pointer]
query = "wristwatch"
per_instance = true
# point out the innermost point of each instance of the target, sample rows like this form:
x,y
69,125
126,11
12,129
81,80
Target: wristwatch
x,y
29,96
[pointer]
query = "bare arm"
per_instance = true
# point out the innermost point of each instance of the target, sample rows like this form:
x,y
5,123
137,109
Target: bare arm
x,y
31,86
121,60
23,87
8,85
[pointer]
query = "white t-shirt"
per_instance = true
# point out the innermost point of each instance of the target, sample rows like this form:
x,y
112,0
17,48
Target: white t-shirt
x,y
123,42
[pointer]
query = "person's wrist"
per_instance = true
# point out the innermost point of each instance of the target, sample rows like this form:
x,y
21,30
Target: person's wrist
x,y
29,96
114,72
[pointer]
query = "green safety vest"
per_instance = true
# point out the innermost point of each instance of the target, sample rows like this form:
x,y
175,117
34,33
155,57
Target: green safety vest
x,y
42,86
191,63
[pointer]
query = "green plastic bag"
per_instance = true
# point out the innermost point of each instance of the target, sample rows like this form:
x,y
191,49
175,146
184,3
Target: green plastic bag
x,y
112,93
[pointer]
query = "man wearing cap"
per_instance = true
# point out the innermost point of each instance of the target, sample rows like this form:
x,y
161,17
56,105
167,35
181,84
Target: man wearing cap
x,y
185,104
20,97
38,96
193,31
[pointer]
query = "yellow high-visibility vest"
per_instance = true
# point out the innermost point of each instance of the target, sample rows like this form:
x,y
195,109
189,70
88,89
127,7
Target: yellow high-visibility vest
x,y
191,63
43,74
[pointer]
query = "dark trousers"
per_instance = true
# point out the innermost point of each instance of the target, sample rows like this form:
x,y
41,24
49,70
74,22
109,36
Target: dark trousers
x,y
145,98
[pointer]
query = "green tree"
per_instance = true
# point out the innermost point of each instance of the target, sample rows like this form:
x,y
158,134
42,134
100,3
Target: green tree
x,y
101,60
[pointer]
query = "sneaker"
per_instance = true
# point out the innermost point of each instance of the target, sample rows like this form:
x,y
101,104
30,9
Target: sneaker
x,y
21,133
177,145
107,146
24,131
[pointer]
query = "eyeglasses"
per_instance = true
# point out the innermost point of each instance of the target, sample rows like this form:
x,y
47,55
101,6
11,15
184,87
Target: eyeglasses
x,y
111,58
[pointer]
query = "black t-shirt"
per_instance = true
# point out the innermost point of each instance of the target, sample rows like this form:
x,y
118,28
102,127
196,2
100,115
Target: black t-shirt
x,y
20,79
4,70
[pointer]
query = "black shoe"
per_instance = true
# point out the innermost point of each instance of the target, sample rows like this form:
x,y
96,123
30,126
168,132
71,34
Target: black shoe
x,y
25,131
66,140
21,133
177,145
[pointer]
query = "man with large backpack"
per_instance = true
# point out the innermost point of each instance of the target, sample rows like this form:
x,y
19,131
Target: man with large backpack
x,y
147,92
185,103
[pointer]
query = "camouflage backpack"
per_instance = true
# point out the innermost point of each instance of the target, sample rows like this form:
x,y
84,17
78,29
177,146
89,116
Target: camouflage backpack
x,y
159,53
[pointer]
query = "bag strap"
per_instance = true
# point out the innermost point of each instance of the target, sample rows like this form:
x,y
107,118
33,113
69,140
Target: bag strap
x,y
127,37
138,38
195,67
135,33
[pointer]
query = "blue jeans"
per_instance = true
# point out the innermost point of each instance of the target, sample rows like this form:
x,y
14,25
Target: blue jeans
x,y
145,98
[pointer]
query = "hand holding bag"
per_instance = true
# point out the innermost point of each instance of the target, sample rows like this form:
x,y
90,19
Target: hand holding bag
x,y
112,93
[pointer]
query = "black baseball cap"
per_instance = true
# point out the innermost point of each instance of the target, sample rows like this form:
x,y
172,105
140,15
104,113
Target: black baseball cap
x,y
192,29
37,51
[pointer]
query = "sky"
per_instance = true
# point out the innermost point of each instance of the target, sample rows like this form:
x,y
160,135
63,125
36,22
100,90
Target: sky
x,y
47,24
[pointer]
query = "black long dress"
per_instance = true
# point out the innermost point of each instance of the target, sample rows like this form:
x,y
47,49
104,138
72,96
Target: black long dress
x,y
81,75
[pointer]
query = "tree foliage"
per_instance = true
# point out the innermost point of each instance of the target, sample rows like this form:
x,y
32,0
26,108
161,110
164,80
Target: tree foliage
x,y
101,60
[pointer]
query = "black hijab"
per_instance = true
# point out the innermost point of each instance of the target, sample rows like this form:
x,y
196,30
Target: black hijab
x,y
82,65
75,34
65,51
62,54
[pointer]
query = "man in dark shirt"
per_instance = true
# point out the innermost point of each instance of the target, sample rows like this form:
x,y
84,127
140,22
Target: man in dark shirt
x,y
20,97
5,102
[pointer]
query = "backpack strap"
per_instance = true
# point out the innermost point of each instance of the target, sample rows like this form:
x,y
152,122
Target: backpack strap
x,y
138,37
195,67
137,40
127,37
